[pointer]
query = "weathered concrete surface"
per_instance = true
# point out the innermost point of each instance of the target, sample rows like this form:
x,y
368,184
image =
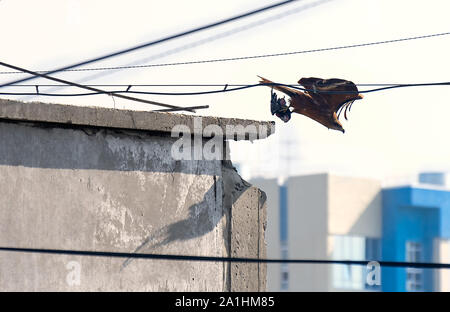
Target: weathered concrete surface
x,y
124,119
248,224
106,189
272,232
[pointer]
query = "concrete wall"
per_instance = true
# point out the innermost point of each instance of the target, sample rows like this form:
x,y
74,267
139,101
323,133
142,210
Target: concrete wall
x,y
104,180
272,190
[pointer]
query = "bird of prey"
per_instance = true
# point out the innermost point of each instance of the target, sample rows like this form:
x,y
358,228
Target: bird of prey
x,y
323,100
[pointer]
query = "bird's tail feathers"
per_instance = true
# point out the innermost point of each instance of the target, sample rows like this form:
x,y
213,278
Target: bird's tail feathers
x,y
272,84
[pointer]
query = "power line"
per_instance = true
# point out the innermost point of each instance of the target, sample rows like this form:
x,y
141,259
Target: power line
x,y
206,40
199,42
422,265
99,91
223,90
239,58
184,85
295,87
158,41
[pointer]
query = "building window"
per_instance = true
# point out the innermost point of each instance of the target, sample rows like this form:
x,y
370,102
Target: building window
x,y
353,277
414,276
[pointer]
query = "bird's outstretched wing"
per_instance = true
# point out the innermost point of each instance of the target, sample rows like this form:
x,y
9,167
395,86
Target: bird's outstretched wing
x,y
288,91
338,94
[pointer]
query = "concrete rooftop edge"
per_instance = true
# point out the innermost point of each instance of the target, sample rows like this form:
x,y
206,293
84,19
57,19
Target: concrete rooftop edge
x,y
128,119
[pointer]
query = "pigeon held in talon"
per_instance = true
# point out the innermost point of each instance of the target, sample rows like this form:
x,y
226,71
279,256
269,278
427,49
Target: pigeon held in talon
x,y
323,100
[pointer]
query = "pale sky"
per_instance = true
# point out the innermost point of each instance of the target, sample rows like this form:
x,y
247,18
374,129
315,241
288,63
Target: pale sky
x,y
389,134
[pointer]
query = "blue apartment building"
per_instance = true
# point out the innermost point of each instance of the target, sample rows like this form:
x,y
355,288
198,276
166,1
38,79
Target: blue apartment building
x,y
415,221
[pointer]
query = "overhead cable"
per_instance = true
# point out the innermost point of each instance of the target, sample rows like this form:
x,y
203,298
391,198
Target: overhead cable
x,y
158,41
98,91
248,57
228,89
170,257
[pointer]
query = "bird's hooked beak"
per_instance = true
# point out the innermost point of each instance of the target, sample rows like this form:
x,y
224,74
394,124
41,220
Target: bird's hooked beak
x,y
340,128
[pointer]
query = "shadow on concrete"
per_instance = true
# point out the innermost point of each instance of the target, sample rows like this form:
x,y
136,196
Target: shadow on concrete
x,y
50,147
200,222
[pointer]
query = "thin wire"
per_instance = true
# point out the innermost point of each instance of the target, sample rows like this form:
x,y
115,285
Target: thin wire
x,y
242,87
208,39
239,58
94,89
155,42
422,265
180,85
193,44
